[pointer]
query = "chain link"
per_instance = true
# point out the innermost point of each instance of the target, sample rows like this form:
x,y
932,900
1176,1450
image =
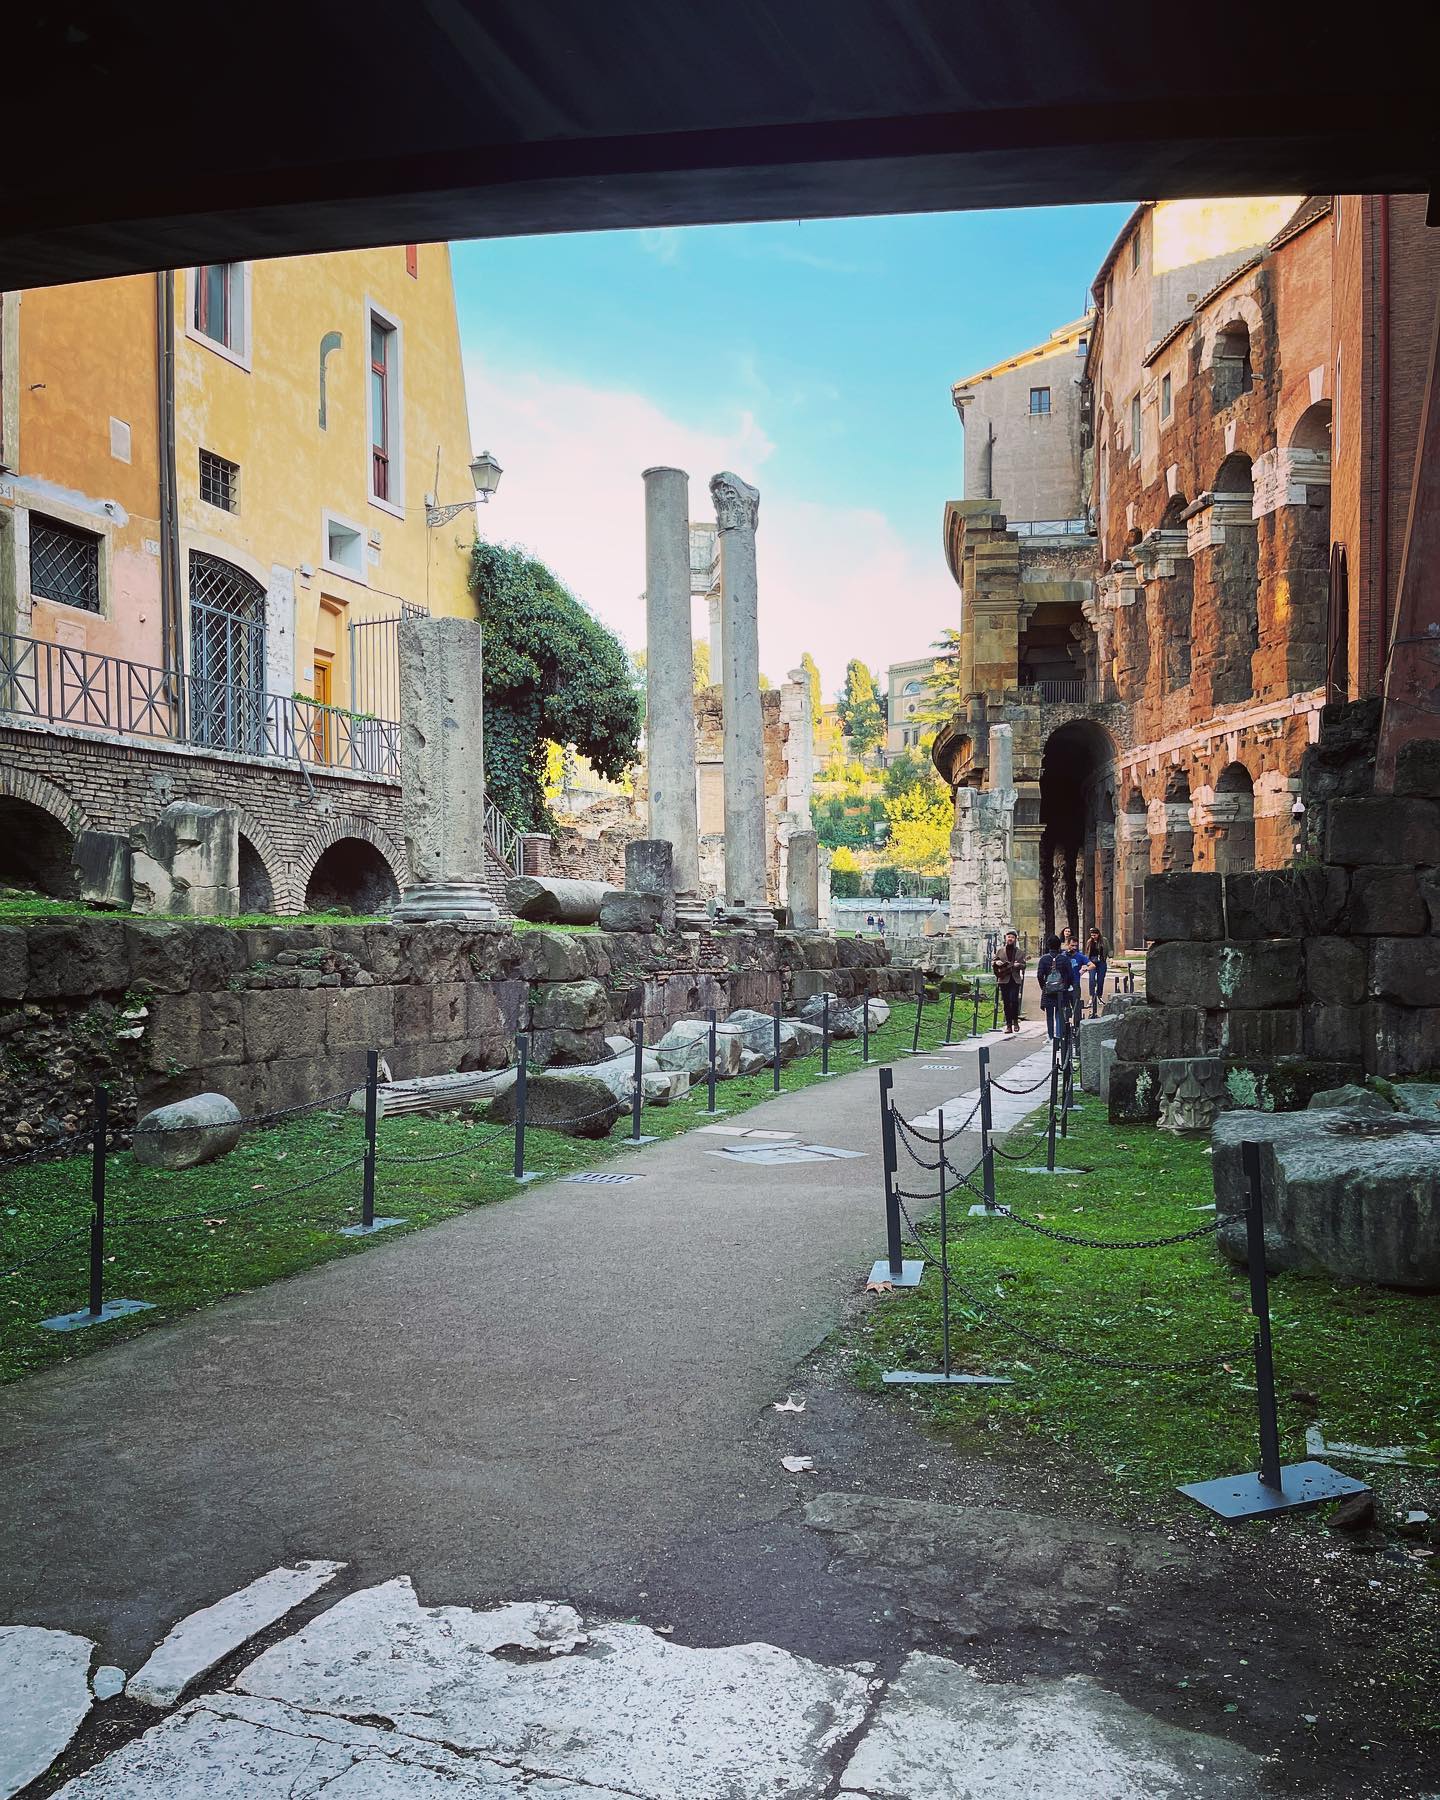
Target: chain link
x,y
1034,1085
144,1221
70,1237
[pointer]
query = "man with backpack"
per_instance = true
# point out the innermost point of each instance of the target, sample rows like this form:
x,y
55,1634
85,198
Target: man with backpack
x,y
1056,974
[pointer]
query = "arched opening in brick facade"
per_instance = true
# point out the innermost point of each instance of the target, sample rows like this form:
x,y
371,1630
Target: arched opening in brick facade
x,y
35,850
257,891
1233,812
351,876
1173,517
1234,372
1074,771
1312,429
1179,851
1134,861
1234,576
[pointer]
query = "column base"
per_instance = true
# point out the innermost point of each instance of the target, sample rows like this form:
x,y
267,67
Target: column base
x,y
691,913
448,902
746,918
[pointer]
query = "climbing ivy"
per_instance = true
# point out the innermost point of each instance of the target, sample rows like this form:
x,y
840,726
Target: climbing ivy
x,y
553,673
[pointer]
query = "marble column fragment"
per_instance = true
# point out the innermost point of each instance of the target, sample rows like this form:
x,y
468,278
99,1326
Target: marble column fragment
x,y
737,509
802,881
670,681
442,772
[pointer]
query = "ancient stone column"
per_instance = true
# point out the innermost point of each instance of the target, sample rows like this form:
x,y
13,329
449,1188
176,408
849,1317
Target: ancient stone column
x,y
650,869
442,772
670,681
802,881
737,509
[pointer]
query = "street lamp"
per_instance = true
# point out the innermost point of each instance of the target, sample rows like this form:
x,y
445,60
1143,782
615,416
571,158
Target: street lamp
x,y
485,472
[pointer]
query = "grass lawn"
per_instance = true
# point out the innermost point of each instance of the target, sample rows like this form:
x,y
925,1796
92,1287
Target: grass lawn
x,y
1362,1360
184,1239
17,905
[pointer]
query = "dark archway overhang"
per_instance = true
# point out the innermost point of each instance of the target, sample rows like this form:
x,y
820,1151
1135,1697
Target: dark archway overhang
x,y
149,136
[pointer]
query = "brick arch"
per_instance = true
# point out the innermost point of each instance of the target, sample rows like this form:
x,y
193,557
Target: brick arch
x,y
346,825
277,868
1238,309
34,789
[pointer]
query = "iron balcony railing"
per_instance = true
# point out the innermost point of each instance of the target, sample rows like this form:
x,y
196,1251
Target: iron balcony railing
x,y
1050,527
503,839
65,686
1068,692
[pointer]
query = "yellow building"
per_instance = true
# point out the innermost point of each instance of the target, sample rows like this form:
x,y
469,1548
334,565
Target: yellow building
x,y
220,489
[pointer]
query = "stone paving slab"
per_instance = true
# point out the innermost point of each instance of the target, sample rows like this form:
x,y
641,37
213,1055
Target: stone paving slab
x,y
44,1697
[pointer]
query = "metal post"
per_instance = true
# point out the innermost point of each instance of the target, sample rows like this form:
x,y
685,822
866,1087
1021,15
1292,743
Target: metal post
x,y
1260,1306
944,1257
775,1086
710,1074
892,1268
1066,1058
995,1008
97,1203
522,1053
987,1126
975,1012
825,1033
950,1017
372,1086
1054,1102
919,1010
865,1021
637,1086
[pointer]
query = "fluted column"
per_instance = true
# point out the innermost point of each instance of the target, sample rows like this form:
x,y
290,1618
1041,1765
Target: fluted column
x,y
442,771
670,681
737,509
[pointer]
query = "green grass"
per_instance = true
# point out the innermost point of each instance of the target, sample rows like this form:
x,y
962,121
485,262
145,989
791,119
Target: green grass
x,y
1361,1359
232,1246
14,905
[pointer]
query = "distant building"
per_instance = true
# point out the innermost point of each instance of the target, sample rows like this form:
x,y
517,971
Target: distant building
x,y
1022,422
908,695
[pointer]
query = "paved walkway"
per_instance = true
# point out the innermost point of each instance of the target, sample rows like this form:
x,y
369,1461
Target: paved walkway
x,y
554,1395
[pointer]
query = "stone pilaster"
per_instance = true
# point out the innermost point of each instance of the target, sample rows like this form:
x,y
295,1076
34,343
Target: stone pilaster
x,y
442,771
670,680
802,881
737,508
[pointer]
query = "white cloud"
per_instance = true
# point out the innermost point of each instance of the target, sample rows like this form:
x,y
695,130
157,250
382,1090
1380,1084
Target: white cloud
x,y
836,579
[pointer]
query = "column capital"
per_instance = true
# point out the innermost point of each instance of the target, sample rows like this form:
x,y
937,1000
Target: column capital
x,y
737,504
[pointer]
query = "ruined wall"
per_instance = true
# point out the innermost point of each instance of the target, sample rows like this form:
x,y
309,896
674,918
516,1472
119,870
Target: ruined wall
x,y
283,1016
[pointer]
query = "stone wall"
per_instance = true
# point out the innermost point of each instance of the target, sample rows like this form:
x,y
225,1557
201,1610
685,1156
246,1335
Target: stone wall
x,y
283,1016
1336,962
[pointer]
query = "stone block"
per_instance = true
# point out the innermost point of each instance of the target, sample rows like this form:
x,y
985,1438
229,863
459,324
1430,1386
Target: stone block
x,y
805,983
1334,971
1429,880
284,1023
1386,902
1285,903
1417,769
553,956
1107,1062
187,861
650,870
80,957
387,952
216,953
570,1006
436,952
1149,1033
1383,829
1263,1032
360,1018
1186,907
553,900
574,1105
567,1049
1262,973
101,860
621,910
819,950
1093,1032
195,1031
1406,970
14,963
187,1133
1134,1093
1335,1031
159,957
413,1017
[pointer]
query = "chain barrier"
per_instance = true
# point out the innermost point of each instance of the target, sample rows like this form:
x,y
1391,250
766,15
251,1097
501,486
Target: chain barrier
x,y
437,1156
146,1221
1034,1085
1065,1237
55,1149
38,1256
1022,1155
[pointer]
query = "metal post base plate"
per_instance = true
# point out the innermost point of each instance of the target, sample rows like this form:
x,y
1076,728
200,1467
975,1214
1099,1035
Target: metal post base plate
x,y
984,1212
909,1378
640,1140
1247,1497
909,1276
368,1230
1040,1169
112,1309
529,1175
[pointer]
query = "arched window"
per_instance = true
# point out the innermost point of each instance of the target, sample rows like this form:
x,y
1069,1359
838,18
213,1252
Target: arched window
x,y
1312,429
1173,517
1234,475
227,657
1234,373
1234,817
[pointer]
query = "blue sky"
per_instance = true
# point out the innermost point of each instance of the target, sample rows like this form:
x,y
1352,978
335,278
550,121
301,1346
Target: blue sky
x,y
815,359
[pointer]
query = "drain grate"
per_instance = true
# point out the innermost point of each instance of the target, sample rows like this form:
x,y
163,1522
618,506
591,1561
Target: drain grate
x,y
771,1154
598,1179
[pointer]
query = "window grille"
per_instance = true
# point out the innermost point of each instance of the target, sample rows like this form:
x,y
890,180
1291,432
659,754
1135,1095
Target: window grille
x,y
64,564
219,481
227,657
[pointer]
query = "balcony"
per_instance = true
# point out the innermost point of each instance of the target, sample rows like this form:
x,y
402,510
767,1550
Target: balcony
x,y
1069,691
56,685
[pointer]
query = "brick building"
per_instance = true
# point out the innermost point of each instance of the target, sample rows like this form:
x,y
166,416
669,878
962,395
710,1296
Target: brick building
x,y
1140,700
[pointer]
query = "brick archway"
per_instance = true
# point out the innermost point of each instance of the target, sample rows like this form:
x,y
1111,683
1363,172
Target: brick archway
x,y
34,790
39,823
335,831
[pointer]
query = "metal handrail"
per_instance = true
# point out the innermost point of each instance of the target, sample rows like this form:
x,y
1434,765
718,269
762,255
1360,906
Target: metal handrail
x,y
502,837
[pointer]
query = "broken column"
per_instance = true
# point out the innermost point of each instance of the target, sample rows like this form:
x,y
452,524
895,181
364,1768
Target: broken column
x,y
737,508
187,862
670,682
802,881
442,772
650,870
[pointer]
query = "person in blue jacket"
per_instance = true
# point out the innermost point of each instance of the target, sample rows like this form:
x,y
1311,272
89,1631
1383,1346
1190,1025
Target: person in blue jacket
x,y
1056,974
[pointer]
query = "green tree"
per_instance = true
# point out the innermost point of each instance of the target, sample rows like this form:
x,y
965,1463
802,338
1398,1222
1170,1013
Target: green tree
x,y
553,673
844,875
947,694
701,658
885,883
812,675
909,770
921,820
859,707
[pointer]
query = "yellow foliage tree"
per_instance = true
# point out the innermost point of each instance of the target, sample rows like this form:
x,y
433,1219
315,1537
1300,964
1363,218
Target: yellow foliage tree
x,y
920,822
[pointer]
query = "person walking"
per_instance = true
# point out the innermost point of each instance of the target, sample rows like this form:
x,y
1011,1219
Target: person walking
x,y
1009,967
1056,974
1099,960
